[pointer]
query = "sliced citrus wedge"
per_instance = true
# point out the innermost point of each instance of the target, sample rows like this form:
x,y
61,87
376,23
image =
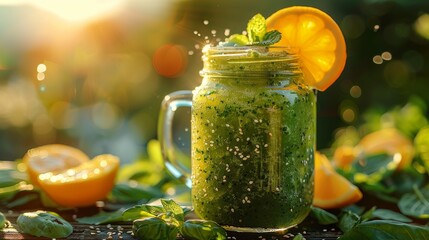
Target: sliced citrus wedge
x,y
391,141
331,190
82,185
317,39
52,158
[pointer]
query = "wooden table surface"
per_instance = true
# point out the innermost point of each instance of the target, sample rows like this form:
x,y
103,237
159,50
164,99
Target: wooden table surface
x,y
124,230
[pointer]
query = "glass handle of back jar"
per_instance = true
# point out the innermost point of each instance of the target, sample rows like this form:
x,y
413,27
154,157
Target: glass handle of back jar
x,y
169,106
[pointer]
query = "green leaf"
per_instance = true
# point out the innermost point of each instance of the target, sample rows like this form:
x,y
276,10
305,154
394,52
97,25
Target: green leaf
x,y
271,37
386,229
141,211
171,206
2,221
44,224
348,220
374,168
368,214
132,192
256,29
323,217
197,229
102,218
422,145
298,237
387,214
154,228
22,200
415,204
403,181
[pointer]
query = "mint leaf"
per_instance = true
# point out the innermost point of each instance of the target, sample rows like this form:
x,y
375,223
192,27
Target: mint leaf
x,y
257,35
256,29
271,37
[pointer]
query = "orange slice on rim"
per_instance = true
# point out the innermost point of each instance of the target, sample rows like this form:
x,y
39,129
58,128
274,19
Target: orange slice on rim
x,y
317,39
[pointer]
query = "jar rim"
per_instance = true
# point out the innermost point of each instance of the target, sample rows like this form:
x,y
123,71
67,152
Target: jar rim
x,y
213,50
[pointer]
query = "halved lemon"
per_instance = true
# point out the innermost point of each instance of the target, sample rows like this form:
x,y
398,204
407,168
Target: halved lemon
x,y
52,158
331,190
82,185
317,39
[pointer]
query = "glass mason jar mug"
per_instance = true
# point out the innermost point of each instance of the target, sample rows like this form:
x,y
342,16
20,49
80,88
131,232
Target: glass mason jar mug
x,y
252,139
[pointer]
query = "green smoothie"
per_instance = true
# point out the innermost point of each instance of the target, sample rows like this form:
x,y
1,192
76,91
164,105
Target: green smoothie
x,y
253,139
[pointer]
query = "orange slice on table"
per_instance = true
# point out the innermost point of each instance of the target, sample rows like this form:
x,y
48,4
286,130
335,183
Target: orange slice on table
x,y
331,190
52,158
317,39
391,141
82,185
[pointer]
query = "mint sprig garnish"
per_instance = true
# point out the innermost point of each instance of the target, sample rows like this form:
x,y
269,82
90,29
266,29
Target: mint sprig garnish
x,y
257,34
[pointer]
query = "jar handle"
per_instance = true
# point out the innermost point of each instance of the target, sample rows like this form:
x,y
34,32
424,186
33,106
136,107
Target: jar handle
x,y
169,105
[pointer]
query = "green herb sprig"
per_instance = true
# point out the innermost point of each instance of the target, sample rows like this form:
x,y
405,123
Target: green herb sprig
x,y
257,34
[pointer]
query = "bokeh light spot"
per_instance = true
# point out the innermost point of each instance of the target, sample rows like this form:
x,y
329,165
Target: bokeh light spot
x,y
348,115
170,60
421,26
377,59
355,91
41,68
376,27
40,76
386,56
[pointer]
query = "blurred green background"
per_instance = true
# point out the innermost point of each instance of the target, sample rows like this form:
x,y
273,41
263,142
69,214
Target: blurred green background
x,y
92,74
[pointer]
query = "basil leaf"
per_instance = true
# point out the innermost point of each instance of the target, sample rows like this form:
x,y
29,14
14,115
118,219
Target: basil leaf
x,y
44,224
128,193
386,229
202,230
103,217
387,214
256,29
415,204
348,221
141,211
323,217
171,206
154,228
2,221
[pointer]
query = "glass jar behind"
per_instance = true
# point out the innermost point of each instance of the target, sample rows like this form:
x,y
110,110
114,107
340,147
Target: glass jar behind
x,y
253,139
